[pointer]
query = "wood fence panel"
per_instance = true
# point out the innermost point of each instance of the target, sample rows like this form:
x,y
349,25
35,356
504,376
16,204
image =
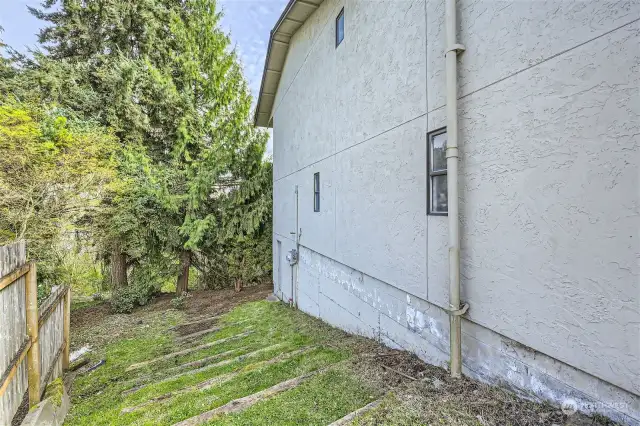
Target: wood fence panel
x,y
13,330
52,336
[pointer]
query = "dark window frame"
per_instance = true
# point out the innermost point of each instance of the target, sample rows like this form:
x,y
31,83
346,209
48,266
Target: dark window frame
x,y
431,173
316,192
340,16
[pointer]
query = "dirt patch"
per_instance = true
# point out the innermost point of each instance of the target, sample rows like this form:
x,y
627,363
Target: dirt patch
x,y
425,394
205,303
89,316
436,398
96,325
195,327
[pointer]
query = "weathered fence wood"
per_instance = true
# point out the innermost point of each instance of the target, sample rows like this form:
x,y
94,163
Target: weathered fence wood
x,y
34,343
66,330
13,327
33,330
13,277
17,360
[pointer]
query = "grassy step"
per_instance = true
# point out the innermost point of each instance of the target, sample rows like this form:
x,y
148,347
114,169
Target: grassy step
x,y
319,401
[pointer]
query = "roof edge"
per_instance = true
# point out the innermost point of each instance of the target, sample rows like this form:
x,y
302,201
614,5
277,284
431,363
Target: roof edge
x,y
283,17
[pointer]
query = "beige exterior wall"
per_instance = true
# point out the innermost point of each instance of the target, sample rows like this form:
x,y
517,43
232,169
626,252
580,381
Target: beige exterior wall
x,y
550,126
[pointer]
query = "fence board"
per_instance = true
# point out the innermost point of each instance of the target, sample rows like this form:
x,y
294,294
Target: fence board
x,y
45,334
52,337
13,328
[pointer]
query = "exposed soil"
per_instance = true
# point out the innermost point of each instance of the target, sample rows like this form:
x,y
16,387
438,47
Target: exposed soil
x,y
434,397
206,303
96,324
190,328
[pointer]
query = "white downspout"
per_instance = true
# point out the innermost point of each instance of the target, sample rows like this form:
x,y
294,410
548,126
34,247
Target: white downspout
x,y
455,311
298,231
293,258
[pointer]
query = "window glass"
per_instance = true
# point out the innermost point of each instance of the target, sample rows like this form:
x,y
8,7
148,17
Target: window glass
x,y
439,194
437,165
438,153
340,27
316,192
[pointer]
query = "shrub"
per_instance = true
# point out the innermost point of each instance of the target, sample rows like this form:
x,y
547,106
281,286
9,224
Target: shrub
x,y
178,302
145,280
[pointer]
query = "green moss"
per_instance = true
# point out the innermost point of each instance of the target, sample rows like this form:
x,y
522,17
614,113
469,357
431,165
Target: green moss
x,y
55,392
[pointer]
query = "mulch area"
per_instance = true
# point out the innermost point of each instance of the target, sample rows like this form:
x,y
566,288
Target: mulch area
x,y
437,398
198,304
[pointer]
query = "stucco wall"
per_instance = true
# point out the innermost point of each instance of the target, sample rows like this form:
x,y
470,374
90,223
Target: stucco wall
x,y
550,125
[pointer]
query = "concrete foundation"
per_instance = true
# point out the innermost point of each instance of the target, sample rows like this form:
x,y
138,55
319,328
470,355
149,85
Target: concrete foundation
x,y
355,302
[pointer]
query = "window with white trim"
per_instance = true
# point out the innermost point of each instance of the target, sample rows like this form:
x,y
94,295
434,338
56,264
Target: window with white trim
x,y
437,196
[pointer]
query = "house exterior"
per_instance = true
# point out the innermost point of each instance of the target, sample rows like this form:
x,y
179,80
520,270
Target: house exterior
x,y
549,118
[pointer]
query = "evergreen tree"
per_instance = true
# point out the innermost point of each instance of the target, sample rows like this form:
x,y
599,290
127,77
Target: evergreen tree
x,y
102,59
191,183
216,148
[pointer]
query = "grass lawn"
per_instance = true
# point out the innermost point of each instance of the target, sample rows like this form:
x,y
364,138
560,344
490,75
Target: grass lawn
x,y
253,345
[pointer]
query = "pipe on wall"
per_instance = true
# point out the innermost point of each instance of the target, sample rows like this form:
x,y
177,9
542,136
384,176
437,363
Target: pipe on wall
x,y
297,265
455,310
293,257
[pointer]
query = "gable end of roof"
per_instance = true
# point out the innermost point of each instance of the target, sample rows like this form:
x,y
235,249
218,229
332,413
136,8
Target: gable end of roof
x,y
293,17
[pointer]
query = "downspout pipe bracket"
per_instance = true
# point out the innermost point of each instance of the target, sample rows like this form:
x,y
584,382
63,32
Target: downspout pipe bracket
x,y
459,312
451,152
457,48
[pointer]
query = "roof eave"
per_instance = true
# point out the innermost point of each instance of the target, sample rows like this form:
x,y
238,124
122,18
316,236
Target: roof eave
x,y
292,18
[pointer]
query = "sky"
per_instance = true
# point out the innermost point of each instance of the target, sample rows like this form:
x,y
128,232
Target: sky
x,y
247,21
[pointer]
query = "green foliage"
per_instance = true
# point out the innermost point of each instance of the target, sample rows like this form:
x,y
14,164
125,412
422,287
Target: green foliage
x,y
79,270
147,279
52,169
178,302
125,299
185,182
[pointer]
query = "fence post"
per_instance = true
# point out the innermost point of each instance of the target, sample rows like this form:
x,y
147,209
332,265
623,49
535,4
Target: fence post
x,y
33,356
66,329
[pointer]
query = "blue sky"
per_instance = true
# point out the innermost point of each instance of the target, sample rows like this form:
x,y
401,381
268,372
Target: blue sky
x,y
248,22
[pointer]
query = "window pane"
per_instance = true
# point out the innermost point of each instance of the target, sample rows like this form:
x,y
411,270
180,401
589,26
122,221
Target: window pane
x,y
438,154
439,194
340,27
316,192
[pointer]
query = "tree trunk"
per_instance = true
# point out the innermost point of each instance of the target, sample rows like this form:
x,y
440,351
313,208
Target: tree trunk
x,y
182,285
118,268
239,279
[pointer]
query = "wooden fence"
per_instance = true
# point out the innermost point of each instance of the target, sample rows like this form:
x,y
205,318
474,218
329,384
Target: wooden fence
x,y
34,343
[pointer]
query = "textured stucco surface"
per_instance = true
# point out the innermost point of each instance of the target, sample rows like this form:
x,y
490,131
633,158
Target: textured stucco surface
x,y
563,189
550,206
506,37
381,69
381,207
